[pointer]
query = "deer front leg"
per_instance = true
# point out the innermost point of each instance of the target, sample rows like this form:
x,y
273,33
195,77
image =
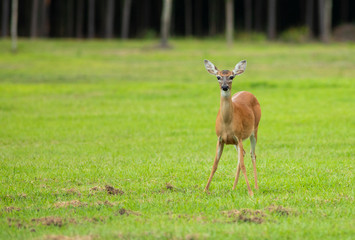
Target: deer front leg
x,y
238,169
219,150
242,166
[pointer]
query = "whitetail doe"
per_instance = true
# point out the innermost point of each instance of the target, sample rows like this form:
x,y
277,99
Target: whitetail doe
x,y
238,119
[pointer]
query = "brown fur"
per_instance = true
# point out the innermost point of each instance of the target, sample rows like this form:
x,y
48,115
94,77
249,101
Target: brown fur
x,y
225,73
244,119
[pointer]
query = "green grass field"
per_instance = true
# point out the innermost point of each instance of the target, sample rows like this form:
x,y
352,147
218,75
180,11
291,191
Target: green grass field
x,y
77,117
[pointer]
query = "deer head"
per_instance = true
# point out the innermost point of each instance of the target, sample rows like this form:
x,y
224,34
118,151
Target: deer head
x,y
225,77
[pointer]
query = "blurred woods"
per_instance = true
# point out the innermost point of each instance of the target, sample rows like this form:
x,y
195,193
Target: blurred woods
x,y
151,18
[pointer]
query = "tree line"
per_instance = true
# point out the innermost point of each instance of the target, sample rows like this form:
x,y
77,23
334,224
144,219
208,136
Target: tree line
x,y
145,18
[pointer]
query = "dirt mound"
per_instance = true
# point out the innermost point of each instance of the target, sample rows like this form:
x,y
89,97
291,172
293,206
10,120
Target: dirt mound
x,y
280,210
48,221
113,191
245,215
169,186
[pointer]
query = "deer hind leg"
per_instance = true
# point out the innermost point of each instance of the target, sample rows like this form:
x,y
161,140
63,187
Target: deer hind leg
x,y
242,166
253,158
219,150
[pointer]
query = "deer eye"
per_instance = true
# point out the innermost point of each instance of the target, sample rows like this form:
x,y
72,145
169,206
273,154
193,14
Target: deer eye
x,y
219,77
231,77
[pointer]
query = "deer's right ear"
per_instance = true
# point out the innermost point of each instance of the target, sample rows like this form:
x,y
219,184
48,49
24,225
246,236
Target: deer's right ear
x,y
210,67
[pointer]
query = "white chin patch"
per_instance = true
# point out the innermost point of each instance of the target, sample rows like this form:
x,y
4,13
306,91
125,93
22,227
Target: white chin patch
x,y
225,93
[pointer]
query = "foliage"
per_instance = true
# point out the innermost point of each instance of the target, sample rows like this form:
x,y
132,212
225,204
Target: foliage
x,y
116,140
251,37
295,34
150,34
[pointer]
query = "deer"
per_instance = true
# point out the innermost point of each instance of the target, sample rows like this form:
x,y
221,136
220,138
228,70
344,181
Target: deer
x,y
237,120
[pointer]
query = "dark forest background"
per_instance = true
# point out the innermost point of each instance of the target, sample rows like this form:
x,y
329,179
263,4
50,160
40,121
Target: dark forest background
x,y
142,18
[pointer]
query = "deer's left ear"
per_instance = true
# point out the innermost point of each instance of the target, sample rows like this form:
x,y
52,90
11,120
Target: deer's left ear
x,y
240,67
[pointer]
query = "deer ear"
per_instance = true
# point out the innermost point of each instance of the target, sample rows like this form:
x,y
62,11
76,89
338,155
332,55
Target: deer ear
x,y
210,67
240,67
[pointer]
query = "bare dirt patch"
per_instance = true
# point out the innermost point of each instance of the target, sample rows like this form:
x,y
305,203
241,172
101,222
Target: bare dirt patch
x,y
72,191
105,203
96,188
169,186
127,212
95,219
77,203
73,203
10,209
113,191
49,221
280,210
245,215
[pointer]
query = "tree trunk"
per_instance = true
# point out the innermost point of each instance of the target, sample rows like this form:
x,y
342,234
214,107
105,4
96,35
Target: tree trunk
x,y
248,15
145,18
45,18
229,21
5,18
172,21
198,17
34,19
220,18
212,18
70,20
259,15
188,18
79,18
271,23
125,18
325,19
165,22
344,11
91,19
14,17
309,17
110,14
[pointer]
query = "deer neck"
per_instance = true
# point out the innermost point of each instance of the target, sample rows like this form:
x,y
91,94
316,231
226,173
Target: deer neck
x,y
226,107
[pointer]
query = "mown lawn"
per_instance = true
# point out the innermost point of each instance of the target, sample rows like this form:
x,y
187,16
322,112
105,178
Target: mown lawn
x,y
77,118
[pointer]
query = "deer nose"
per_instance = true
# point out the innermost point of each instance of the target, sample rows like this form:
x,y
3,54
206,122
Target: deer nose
x,y
225,88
